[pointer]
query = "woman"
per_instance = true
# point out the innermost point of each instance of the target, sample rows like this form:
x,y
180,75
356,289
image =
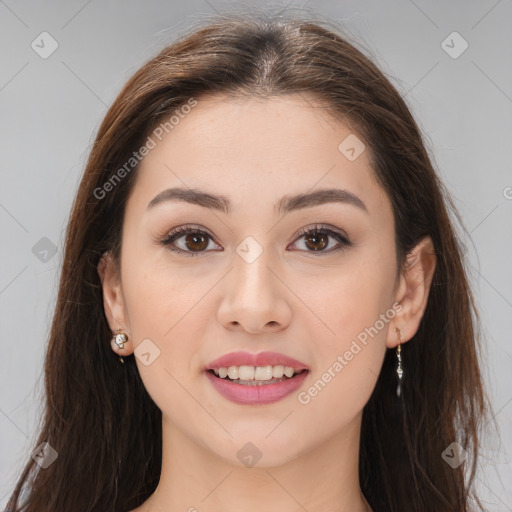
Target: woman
x,y
263,304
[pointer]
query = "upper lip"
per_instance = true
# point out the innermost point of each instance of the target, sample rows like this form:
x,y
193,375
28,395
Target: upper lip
x,y
260,359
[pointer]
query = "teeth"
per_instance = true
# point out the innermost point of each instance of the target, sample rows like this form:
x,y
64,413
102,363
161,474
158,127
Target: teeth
x,y
288,371
246,372
278,371
263,372
233,372
255,372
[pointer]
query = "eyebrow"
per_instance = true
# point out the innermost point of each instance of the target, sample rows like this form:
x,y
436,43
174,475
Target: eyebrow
x,y
285,205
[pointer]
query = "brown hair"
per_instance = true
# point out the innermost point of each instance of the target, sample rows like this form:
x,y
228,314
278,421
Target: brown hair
x,y
98,416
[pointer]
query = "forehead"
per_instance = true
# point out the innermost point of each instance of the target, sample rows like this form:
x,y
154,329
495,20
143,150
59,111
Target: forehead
x,y
250,148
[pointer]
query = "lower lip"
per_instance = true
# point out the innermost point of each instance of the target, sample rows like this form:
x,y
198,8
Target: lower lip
x,y
254,395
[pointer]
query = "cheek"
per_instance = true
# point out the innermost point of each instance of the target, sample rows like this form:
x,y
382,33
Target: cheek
x,y
165,309
348,362
355,306
347,300
169,308
161,297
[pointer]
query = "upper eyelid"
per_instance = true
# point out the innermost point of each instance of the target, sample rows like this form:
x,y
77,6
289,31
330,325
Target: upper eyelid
x,y
320,227
182,230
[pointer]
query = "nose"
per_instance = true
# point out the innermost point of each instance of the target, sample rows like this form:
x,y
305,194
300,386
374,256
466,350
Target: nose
x,y
255,298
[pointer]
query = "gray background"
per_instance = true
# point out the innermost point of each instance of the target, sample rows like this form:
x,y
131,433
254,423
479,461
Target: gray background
x,y
51,108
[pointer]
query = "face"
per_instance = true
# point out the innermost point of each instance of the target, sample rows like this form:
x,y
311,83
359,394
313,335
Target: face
x,y
314,280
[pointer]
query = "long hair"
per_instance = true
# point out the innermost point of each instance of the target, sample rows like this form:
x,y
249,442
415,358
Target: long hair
x,y
98,416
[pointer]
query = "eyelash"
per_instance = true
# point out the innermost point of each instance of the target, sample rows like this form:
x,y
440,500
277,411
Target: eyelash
x,y
183,230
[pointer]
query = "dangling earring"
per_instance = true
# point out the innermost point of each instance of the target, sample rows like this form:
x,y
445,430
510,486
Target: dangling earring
x,y
119,338
399,370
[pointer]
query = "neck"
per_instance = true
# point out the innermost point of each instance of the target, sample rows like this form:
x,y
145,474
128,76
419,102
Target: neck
x,y
195,480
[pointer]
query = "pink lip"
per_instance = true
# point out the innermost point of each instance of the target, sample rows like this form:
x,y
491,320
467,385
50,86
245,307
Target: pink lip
x,y
260,359
254,395
259,394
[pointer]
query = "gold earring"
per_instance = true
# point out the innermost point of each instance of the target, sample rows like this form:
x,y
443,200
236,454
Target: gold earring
x,y
399,369
120,338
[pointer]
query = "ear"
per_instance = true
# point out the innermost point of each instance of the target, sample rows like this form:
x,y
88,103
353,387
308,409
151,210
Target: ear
x,y
113,301
412,292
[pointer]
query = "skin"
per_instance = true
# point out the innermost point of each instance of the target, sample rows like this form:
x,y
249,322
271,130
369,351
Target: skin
x,y
306,304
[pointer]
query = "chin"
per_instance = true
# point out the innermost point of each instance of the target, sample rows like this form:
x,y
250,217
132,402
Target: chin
x,y
256,450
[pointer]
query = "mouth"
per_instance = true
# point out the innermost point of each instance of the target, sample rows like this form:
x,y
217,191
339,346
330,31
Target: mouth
x,y
246,389
256,376
255,379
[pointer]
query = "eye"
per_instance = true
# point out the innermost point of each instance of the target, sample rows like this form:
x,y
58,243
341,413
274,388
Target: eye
x,y
316,239
195,241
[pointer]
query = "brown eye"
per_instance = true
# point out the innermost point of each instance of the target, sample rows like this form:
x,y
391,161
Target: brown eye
x,y
196,242
193,241
317,241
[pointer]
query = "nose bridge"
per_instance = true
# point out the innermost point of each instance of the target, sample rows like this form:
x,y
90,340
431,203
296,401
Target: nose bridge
x,y
252,279
253,297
